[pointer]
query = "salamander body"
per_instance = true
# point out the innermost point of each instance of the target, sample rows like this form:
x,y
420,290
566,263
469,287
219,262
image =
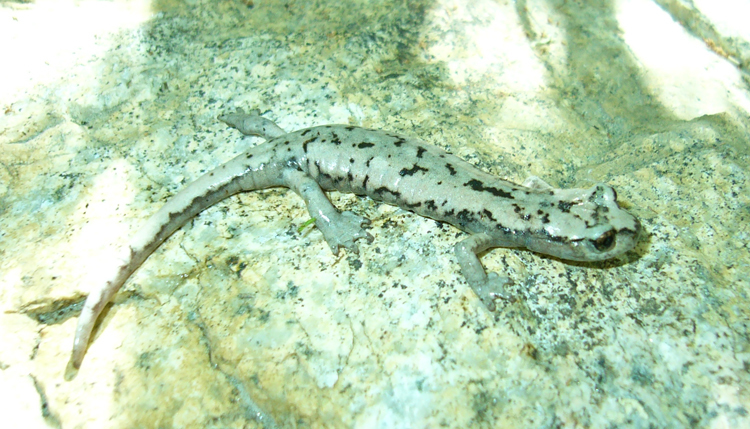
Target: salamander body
x,y
572,224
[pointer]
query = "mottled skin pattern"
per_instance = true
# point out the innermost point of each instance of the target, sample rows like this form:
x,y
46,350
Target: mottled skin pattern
x,y
573,224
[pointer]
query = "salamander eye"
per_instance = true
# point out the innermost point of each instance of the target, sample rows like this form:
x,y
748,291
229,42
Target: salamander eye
x,y
605,241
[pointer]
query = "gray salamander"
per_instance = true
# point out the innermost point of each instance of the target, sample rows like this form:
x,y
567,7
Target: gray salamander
x,y
572,224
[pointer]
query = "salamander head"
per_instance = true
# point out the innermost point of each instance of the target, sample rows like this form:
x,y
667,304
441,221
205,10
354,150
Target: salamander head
x,y
586,225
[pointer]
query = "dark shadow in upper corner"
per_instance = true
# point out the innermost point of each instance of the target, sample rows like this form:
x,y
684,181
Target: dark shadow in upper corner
x,y
602,81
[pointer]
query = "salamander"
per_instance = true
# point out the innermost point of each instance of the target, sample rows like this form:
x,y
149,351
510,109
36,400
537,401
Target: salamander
x,y
584,224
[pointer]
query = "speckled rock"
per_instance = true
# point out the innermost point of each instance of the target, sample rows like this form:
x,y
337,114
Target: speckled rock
x,y
240,320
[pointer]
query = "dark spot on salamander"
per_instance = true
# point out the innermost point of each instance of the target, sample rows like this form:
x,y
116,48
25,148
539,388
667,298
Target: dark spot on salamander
x,y
412,206
349,176
545,218
479,187
564,206
349,128
412,171
365,145
249,155
325,175
364,184
503,228
367,164
351,160
451,170
382,190
399,142
304,144
554,238
420,151
450,212
431,205
488,214
465,217
335,140
305,132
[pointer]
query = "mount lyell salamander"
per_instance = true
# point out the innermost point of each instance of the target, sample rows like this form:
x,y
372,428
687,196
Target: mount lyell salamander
x,y
571,224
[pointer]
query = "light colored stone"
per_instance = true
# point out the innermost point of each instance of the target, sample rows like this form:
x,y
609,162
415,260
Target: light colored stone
x,y
238,320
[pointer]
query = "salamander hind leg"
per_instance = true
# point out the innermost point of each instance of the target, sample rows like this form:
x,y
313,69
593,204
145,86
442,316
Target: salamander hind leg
x,y
252,124
340,229
488,287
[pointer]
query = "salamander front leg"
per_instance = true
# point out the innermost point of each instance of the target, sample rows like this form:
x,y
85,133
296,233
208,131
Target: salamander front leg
x,y
487,287
340,229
